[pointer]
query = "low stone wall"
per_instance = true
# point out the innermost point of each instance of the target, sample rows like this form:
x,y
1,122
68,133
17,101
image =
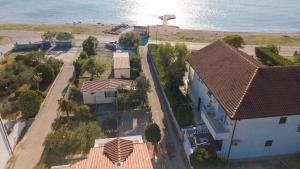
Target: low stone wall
x,y
32,46
63,43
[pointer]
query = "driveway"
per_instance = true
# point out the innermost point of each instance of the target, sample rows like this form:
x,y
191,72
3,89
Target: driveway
x,y
29,151
170,149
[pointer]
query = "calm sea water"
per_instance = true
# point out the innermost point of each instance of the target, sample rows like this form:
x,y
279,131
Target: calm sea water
x,y
227,15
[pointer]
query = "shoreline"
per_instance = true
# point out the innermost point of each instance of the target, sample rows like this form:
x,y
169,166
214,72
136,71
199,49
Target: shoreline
x,y
163,33
78,23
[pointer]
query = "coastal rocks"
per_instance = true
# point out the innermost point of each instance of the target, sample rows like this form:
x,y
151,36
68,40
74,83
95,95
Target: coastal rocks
x,y
165,18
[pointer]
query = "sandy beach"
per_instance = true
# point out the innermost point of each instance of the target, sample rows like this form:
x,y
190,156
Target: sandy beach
x,y
164,33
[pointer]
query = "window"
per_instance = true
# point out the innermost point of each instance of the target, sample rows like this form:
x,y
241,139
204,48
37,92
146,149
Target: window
x,y
298,130
282,120
110,94
268,143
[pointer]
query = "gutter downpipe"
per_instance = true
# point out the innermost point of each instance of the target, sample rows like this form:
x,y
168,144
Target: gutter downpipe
x,y
6,137
231,141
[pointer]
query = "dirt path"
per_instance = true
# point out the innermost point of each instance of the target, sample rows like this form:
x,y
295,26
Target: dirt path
x,y
169,147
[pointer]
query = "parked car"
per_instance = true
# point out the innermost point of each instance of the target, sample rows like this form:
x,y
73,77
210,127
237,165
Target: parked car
x,y
112,45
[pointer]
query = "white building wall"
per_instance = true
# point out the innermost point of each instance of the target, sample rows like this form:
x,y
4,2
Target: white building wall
x,y
4,148
251,135
97,97
122,73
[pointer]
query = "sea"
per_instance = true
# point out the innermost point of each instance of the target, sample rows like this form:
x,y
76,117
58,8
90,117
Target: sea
x,y
219,15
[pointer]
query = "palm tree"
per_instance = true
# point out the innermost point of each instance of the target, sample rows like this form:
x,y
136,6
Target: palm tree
x,y
36,80
65,106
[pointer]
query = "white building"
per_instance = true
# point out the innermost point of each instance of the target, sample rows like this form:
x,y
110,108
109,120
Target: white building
x,y
250,110
5,148
121,65
103,91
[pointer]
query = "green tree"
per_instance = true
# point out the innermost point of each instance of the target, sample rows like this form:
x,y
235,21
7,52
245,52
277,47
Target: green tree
x,y
152,133
166,51
48,35
29,103
86,134
36,80
94,68
63,141
177,66
135,67
82,112
130,40
64,36
46,71
6,108
41,166
90,45
83,55
275,49
234,40
203,158
65,106
142,86
55,64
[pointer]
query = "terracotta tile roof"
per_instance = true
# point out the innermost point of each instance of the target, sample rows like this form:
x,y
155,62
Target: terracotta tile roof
x,y
138,159
118,150
231,76
97,85
121,60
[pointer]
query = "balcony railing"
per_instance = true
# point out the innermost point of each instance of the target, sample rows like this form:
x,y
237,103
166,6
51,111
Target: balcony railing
x,y
215,123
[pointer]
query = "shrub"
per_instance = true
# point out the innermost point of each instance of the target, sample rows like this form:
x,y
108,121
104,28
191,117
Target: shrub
x,y
234,40
46,71
64,36
135,67
55,64
271,59
90,45
130,40
152,133
29,103
203,158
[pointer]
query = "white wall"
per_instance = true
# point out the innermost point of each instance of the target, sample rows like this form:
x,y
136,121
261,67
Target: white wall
x,y
4,148
97,97
252,134
199,89
122,73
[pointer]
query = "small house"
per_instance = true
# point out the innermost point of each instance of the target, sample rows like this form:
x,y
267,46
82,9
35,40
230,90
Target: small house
x,y
103,91
121,65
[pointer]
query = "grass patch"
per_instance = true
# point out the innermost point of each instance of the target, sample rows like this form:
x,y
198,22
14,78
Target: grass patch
x,y
271,59
192,36
179,103
269,40
75,29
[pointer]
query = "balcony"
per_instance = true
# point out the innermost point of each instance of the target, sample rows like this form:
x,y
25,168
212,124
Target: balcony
x,y
217,129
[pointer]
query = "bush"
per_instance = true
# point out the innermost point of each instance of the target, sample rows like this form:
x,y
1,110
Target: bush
x,y
55,64
130,40
29,103
135,67
271,59
46,71
234,40
90,45
203,158
178,102
64,36
152,133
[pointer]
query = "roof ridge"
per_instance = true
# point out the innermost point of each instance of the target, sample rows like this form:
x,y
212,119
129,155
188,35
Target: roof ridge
x,y
246,90
237,52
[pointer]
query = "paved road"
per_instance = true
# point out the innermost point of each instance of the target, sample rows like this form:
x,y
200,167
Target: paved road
x,y
28,152
172,160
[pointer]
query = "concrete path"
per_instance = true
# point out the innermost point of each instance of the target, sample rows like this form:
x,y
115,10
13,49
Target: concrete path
x,y
28,152
172,159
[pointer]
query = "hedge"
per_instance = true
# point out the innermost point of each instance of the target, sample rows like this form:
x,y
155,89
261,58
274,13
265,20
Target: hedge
x,y
271,59
179,103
